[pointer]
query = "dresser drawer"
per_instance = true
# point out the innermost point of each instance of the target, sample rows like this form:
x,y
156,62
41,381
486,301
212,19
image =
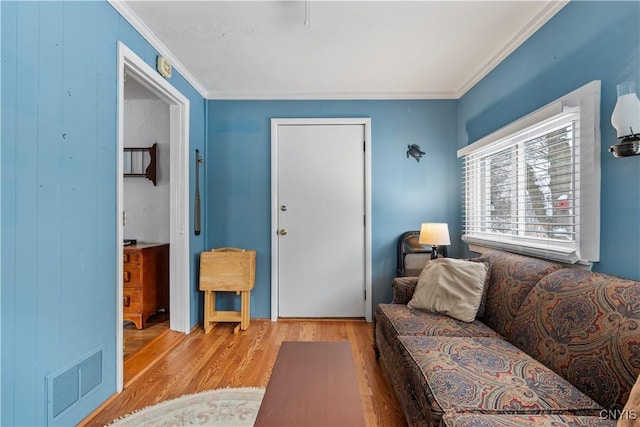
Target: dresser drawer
x,y
145,277
131,257
132,301
131,276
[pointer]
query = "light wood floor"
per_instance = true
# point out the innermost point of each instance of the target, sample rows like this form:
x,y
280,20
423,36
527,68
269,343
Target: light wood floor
x,y
135,339
221,359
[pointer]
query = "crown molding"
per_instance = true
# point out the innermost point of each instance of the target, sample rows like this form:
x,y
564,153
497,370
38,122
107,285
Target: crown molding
x,y
129,15
347,95
534,25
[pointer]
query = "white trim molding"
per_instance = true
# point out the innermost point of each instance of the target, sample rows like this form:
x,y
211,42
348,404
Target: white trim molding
x,y
581,106
180,273
125,11
534,25
332,96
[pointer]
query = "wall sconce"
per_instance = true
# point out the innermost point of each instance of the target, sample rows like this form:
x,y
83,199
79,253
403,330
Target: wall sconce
x,y
626,120
434,234
414,151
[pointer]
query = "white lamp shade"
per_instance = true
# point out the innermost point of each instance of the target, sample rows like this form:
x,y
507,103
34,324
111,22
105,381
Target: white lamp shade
x,y
434,234
626,114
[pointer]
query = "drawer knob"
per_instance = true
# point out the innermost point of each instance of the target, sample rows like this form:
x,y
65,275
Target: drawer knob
x,y
126,301
127,276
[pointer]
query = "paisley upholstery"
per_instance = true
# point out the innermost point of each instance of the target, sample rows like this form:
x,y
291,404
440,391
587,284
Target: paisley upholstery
x,y
483,420
586,327
398,319
512,277
487,375
395,367
403,289
556,346
402,320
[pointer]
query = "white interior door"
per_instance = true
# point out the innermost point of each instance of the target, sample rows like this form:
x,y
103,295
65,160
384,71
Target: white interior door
x,y
321,221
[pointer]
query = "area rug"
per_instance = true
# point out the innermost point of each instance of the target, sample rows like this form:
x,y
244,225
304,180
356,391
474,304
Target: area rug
x,y
233,407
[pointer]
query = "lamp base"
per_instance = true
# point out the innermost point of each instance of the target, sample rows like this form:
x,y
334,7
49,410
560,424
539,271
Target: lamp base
x,y
628,146
434,252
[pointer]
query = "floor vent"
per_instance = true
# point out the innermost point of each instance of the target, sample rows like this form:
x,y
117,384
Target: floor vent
x,y
67,387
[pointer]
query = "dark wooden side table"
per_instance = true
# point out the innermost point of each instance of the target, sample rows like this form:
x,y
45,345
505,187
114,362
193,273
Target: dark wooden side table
x,y
145,281
312,384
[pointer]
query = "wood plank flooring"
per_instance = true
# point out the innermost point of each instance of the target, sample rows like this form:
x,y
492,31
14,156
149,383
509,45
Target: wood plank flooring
x,y
221,359
143,359
135,339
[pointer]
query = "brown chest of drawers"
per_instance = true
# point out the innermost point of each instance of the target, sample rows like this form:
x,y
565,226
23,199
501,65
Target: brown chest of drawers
x,y
146,281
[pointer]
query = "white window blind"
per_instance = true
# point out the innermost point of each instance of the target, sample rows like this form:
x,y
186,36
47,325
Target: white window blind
x,y
530,187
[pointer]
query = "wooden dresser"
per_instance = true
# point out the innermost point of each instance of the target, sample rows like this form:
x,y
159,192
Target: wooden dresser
x,y
146,281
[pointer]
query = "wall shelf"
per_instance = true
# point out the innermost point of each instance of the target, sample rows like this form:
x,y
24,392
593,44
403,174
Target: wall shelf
x,y
141,162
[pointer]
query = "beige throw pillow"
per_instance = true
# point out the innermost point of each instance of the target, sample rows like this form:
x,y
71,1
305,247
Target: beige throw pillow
x,y
452,287
630,416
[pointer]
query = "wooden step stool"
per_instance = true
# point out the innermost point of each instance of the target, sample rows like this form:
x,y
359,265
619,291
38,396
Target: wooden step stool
x,y
227,270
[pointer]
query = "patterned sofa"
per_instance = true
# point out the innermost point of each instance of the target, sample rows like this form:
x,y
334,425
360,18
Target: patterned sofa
x,y
552,346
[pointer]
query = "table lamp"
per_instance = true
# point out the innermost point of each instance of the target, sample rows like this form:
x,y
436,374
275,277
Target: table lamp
x,y
434,234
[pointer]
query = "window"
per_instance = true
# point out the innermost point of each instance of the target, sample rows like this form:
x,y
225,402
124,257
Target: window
x,y
533,187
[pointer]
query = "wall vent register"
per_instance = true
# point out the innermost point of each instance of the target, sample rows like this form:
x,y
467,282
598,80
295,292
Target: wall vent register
x,y
69,386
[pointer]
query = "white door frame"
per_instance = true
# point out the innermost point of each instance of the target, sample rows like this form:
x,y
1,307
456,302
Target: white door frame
x,y
179,259
275,123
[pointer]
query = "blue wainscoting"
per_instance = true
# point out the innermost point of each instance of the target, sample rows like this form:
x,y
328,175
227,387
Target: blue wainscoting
x,y
58,197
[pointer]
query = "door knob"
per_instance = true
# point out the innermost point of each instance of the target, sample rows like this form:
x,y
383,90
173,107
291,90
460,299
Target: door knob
x,y
283,208
283,232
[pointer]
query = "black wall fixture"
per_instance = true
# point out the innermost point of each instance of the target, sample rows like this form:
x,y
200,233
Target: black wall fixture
x,y
197,214
414,151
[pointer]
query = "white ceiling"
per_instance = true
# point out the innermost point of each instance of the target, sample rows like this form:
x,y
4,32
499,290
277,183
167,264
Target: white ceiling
x,y
349,50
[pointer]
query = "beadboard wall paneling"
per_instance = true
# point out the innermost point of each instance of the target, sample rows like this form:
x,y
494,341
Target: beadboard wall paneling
x,y
58,196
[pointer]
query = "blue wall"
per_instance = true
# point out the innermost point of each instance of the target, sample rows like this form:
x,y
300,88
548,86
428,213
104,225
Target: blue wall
x,y
58,166
58,195
585,41
404,193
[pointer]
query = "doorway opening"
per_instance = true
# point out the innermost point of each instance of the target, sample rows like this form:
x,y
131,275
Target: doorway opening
x,y
165,222
336,203
145,219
